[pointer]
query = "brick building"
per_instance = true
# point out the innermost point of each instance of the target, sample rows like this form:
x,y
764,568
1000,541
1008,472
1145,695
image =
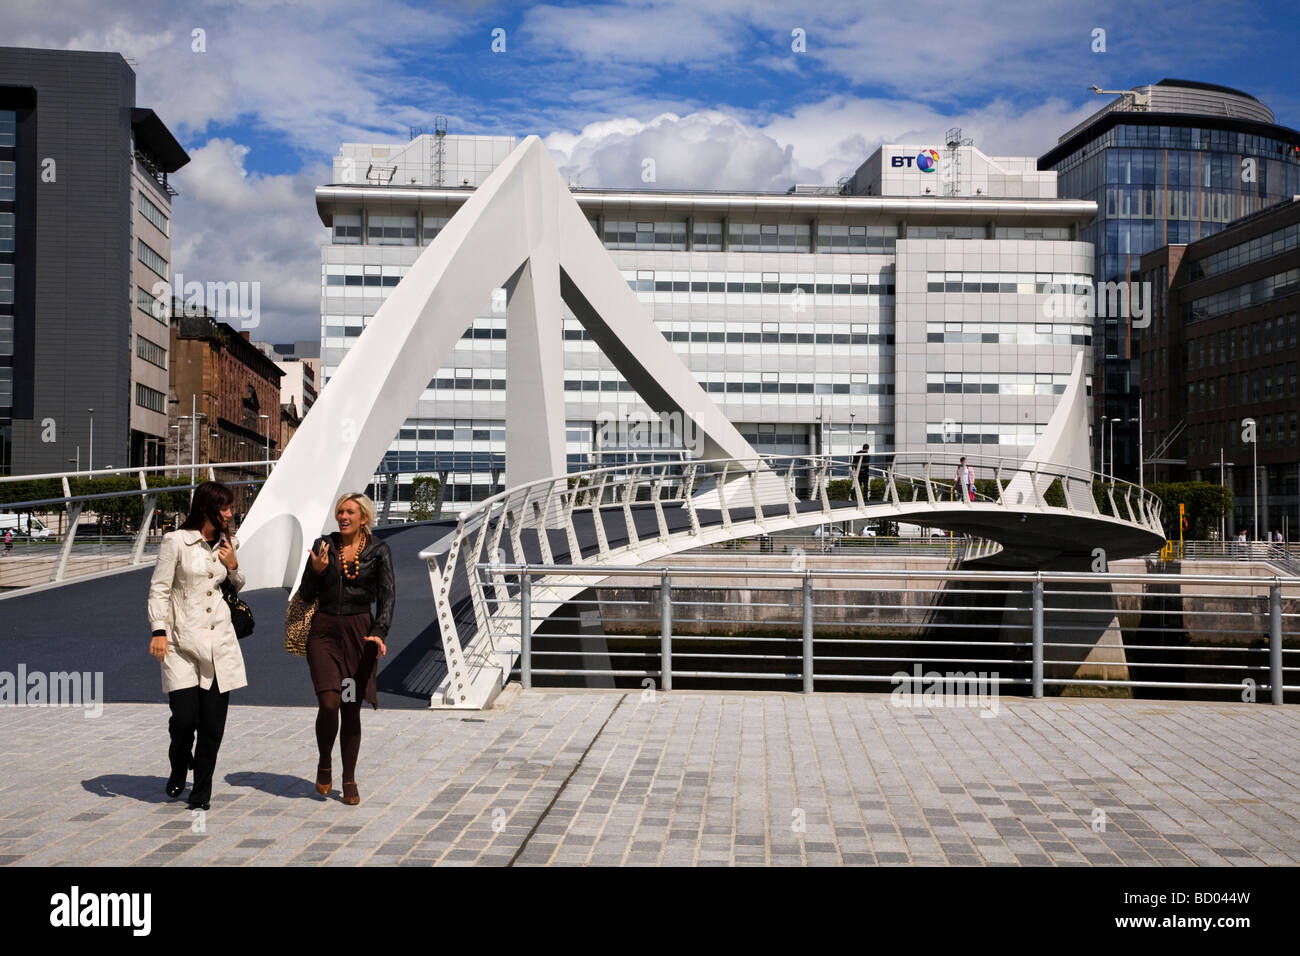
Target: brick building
x,y
233,392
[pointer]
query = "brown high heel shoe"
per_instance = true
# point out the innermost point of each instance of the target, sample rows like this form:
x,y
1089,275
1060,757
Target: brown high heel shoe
x,y
324,779
350,795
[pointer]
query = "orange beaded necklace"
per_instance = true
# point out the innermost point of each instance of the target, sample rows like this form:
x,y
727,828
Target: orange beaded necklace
x,y
352,572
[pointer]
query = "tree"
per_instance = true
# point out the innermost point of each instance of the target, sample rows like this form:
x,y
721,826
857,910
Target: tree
x,y
424,497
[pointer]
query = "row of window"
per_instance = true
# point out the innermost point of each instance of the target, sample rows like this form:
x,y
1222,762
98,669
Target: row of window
x,y
996,383
8,128
151,352
1262,385
152,261
151,212
385,230
150,398
1007,333
1244,296
6,232
1022,283
8,180
6,335
6,283
1262,247
1246,341
982,434
780,283
1270,431
6,387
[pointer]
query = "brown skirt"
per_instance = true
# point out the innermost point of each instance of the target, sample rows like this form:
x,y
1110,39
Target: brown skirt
x,y
337,650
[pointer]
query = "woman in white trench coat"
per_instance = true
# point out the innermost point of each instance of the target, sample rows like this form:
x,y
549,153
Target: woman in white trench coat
x,y
193,638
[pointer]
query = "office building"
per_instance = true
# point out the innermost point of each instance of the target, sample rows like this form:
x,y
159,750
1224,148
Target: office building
x,y
906,309
1168,163
85,236
1222,351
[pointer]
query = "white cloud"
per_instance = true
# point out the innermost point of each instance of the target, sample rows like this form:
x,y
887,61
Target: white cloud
x,y
816,143
236,226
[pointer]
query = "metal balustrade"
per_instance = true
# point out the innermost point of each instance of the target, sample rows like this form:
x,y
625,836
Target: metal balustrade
x,y
38,568
1082,633
661,508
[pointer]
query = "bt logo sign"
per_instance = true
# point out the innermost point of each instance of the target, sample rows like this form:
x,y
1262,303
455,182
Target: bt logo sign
x,y
927,161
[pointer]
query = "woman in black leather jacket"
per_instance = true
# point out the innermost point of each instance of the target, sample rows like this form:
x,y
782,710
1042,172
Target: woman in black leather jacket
x,y
349,570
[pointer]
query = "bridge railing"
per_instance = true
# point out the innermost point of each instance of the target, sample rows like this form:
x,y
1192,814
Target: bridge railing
x,y
722,499
1081,634
61,557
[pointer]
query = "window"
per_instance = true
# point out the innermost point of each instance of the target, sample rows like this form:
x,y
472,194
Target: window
x,y
151,212
6,283
6,232
8,128
7,176
434,225
149,398
391,231
152,261
6,335
6,387
148,304
151,352
347,230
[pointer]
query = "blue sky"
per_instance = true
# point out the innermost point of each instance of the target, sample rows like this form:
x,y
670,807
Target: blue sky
x,y
714,90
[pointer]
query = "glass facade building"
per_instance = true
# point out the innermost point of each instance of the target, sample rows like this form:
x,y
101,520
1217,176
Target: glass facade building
x,y
1169,163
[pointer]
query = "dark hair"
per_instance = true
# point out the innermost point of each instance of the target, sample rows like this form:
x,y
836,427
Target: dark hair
x,y
209,498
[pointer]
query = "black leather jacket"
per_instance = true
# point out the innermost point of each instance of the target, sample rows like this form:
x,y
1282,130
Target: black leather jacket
x,y
342,595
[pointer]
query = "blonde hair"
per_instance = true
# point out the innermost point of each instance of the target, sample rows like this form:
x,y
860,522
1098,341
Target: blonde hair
x,y
366,506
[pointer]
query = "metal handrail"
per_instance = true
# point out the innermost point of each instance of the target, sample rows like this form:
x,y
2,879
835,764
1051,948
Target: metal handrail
x,y
659,663
729,484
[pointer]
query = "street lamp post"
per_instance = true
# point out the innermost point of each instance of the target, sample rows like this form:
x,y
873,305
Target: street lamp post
x,y
1104,473
1141,456
1248,427
268,443
90,462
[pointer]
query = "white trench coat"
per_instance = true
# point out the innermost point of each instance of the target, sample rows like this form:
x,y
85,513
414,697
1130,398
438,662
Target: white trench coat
x,y
185,601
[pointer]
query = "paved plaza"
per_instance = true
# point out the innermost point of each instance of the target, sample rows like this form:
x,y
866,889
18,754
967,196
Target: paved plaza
x,y
603,777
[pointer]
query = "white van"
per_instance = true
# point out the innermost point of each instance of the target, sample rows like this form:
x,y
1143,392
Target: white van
x,y
24,524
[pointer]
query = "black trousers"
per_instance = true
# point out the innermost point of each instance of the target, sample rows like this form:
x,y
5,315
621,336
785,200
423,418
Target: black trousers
x,y
202,712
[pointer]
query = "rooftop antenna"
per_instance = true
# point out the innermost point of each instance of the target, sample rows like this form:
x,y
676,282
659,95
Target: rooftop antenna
x,y
954,141
1139,102
439,150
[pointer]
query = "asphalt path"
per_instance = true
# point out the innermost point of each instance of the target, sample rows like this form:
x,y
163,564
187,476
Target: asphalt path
x,y
102,625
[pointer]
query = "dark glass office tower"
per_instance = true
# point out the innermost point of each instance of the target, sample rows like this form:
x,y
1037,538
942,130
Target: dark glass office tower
x,y
84,232
1168,163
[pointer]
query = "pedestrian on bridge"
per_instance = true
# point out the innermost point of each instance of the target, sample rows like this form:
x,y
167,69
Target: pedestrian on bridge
x,y
964,484
194,640
348,571
862,468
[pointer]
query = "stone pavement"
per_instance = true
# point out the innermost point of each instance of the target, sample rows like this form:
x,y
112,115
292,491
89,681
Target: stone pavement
x,y
605,777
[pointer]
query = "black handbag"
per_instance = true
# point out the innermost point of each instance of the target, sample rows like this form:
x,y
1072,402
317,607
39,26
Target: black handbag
x,y
240,615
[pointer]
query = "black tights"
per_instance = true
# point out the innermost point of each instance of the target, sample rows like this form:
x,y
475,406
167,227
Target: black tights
x,y
327,727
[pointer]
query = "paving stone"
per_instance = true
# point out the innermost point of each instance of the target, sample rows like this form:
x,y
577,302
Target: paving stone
x,y
698,779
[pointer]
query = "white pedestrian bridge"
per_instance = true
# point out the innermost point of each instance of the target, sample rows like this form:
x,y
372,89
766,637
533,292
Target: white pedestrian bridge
x,y
1029,515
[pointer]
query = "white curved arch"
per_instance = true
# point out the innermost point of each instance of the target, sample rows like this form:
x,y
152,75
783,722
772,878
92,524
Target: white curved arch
x,y
523,230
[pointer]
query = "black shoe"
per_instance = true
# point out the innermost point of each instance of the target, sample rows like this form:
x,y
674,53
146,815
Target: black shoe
x,y
175,789
200,806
